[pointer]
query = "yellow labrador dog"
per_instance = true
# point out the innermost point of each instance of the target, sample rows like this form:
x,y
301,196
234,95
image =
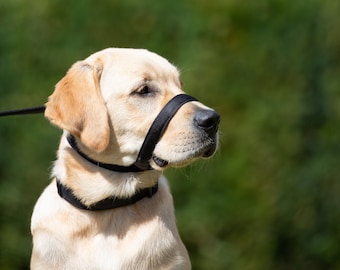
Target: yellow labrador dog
x,y
108,206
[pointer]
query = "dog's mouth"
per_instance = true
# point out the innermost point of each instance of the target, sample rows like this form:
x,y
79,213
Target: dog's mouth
x,y
210,150
160,162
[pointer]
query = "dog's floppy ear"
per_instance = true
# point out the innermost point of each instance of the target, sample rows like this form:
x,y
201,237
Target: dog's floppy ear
x,y
77,106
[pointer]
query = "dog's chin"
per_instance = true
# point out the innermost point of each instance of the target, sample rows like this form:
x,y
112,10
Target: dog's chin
x,y
158,162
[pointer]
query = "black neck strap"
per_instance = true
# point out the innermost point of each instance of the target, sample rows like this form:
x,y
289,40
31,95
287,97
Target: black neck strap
x,y
108,203
154,134
112,167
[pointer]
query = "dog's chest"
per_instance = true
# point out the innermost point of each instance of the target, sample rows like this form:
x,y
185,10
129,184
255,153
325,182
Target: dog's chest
x,y
138,237
150,245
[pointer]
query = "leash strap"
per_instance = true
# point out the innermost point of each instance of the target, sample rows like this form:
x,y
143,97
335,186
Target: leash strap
x,y
33,110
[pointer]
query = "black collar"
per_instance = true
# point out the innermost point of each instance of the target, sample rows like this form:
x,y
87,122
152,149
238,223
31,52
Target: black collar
x,y
108,203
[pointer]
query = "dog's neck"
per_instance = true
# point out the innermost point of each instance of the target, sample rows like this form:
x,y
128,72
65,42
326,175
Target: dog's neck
x,y
92,183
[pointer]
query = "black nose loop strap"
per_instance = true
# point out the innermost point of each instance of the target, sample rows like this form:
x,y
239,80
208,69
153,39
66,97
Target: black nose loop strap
x,y
158,127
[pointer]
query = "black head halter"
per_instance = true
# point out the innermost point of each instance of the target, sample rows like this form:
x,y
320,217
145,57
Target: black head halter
x,y
154,134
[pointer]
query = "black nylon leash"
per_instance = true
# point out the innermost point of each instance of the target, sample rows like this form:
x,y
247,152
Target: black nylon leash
x,y
33,110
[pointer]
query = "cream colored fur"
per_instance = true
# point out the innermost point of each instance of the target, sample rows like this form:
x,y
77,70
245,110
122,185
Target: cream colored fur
x,y
99,102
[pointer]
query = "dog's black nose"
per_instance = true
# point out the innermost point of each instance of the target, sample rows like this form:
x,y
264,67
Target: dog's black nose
x,y
207,120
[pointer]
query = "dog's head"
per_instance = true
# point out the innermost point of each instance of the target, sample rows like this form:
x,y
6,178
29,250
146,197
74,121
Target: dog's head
x,y
109,101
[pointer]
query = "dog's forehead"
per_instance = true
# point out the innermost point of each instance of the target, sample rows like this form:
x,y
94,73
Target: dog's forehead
x,y
139,62
124,69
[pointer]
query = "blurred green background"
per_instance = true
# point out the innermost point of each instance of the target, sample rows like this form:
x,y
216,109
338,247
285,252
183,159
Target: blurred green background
x,y
270,198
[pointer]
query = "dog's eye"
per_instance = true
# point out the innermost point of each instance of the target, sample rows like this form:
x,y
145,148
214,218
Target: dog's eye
x,y
144,91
